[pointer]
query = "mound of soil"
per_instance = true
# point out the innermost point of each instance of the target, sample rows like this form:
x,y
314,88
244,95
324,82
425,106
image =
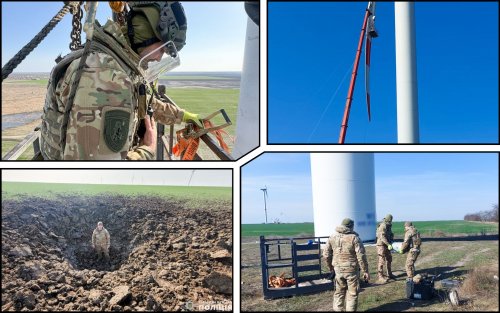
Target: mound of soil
x,y
163,256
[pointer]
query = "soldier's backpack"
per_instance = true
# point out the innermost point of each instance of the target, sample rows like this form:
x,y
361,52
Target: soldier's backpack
x,y
416,239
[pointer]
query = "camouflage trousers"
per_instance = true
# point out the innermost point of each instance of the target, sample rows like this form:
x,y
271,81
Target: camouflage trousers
x,y
102,250
345,297
410,262
384,258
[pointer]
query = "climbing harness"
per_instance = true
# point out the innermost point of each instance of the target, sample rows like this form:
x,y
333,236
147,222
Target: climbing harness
x,y
89,30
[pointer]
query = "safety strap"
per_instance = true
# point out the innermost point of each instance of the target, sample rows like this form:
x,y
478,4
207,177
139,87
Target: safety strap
x,y
71,97
186,149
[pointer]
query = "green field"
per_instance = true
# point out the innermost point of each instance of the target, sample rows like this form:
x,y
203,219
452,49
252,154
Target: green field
x,y
193,77
205,101
202,101
428,229
7,145
192,195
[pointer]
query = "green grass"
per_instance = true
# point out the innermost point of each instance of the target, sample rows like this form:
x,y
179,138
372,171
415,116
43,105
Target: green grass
x,y
250,230
449,258
192,77
7,145
206,101
426,229
193,195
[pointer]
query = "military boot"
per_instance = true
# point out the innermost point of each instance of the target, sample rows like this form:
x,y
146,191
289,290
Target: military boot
x,y
389,272
382,279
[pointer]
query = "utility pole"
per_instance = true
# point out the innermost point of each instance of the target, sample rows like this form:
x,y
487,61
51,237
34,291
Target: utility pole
x,y
406,72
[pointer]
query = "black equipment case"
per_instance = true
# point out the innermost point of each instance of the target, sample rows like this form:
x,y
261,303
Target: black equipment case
x,y
421,291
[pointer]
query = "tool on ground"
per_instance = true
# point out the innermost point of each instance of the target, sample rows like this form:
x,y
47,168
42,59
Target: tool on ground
x,y
281,281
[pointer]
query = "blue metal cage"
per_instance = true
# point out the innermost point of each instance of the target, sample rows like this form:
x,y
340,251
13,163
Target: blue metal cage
x,y
297,256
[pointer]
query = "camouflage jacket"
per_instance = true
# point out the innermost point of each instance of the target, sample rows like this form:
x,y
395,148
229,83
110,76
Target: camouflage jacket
x,y
412,239
345,251
384,234
104,119
101,238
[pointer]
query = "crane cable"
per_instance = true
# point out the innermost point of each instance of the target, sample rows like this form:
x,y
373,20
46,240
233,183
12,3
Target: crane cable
x,y
27,49
330,102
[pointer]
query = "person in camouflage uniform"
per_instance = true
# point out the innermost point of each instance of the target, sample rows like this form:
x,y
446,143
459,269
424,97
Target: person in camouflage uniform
x,y
385,237
104,120
411,244
344,252
101,241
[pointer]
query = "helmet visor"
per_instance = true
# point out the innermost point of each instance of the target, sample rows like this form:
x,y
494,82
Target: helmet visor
x,y
153,69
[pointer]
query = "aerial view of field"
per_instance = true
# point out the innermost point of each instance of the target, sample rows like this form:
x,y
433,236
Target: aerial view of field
x,y
171,247
23,96
454,249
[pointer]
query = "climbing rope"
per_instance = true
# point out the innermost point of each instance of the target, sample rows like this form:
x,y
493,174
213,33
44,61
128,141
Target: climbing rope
x,y
26,50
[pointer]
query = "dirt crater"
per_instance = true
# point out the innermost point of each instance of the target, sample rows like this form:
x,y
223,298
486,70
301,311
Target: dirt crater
x,y
163,256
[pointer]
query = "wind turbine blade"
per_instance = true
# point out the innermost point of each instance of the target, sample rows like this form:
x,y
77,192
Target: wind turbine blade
x,y
371,33
367,74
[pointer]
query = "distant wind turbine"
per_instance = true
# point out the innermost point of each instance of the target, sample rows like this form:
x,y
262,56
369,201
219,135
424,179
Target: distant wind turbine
x,y
265,203
191,177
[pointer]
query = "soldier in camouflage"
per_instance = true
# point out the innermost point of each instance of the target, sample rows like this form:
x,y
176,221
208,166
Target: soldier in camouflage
x,y
344,252
411,244
101,242
107,108
385,237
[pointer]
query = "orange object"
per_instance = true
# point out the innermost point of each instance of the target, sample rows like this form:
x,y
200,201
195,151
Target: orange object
x,y
280,282
187,148
117,6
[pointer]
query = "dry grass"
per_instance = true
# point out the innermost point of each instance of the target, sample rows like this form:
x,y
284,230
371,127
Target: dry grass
x,y
450,258
480,289
439,234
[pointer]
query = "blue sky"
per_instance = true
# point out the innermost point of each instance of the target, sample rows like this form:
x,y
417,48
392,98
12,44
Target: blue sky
x,y
215,38
311,46
411,186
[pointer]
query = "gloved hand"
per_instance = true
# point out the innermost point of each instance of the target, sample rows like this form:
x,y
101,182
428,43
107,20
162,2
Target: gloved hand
x,y
188,116
366,277
400,251
389,247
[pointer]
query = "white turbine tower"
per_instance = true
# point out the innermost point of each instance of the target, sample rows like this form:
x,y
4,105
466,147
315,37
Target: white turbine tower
x,y
406,72
344,183
247,136
343,186
264,190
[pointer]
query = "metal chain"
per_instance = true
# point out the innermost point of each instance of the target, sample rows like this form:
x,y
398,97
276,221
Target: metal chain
x,y
26,50
76,32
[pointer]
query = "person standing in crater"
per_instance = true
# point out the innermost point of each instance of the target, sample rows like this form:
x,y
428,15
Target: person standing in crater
x,y
101,241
